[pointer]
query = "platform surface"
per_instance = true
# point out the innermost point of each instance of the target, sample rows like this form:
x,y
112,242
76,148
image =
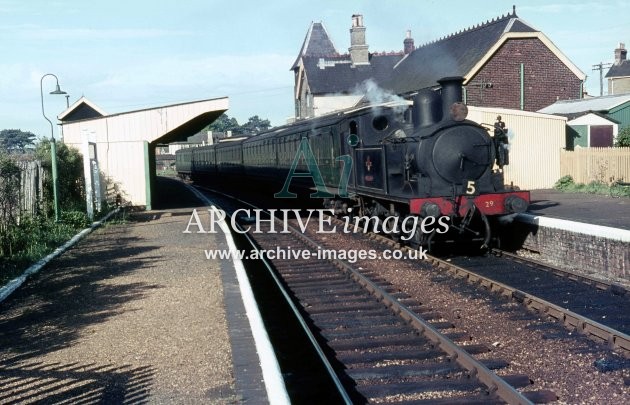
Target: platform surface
x,y
581,207
132,313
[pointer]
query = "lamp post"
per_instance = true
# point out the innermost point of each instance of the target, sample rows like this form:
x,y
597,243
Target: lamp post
x,y
53,145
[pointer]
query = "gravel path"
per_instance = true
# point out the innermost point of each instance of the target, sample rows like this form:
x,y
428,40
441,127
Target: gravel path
x,y
133,313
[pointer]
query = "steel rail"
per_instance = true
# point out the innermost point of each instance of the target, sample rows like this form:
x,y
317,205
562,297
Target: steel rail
x,y
595,330
598,283
495,384
590,328
320,352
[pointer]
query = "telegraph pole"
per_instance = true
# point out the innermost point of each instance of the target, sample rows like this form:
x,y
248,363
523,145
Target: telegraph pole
x,y
601,66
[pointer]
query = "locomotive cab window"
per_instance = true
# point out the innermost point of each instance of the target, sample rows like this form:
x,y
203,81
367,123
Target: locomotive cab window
x,y
354,128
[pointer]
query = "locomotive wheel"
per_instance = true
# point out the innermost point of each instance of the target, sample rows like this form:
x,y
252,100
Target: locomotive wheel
x,y
473,235
421,239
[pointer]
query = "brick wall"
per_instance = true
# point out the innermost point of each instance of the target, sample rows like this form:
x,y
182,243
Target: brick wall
x,y
574,251
546,78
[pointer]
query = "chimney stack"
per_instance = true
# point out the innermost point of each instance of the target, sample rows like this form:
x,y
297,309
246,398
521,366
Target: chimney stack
x,y
620,53
358,48
408,45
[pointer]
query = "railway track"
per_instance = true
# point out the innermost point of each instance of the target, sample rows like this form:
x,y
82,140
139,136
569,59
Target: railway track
x,y
597,282
596,308
344,318
383,346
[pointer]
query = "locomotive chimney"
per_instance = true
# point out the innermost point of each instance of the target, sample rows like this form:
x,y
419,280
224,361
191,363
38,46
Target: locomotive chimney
x,y
620,53
408,45
426,109
358,48
451,93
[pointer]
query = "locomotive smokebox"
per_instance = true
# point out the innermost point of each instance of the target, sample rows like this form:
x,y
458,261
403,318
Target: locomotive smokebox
x,y
451,93
427,109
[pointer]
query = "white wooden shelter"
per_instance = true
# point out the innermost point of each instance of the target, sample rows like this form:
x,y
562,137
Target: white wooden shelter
x,y
535,143
125,142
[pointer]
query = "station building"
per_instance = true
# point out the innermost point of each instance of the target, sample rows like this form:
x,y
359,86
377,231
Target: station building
x,y
122,146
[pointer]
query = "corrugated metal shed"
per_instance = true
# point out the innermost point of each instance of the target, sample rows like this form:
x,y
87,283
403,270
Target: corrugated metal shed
x,y
125,142
535,144
604,103
621,113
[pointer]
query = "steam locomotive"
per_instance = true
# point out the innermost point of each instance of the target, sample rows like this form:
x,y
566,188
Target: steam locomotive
x,y
402,159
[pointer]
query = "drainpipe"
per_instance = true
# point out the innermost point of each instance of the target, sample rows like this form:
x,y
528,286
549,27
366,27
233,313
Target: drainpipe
x,y
522,86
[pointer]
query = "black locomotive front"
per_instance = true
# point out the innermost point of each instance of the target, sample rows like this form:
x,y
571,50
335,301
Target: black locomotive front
x,y
437,163
453,156
435,153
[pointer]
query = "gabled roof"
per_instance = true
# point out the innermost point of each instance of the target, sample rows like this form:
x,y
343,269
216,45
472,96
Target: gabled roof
x,y
584,115
620,70
316,43
333,75
464,54
81,109
594,104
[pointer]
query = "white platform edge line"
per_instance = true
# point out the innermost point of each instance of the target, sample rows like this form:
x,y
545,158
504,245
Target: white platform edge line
x,y
600,231
274,383
14,284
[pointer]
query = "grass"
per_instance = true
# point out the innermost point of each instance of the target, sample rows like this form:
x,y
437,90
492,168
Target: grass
x,y
34,238
28,242
567,184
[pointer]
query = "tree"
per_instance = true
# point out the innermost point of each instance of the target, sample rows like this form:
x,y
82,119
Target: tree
x,y
623,137
15,140
255,124
223,124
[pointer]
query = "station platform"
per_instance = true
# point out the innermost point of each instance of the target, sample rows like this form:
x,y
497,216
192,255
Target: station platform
x,y
581,232
581,207
135,312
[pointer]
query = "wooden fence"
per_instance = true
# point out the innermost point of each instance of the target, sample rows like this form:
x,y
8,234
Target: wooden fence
x,y
596,164
31,186
21,195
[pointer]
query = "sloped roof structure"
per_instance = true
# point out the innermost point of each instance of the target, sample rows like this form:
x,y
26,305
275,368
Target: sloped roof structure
x,y
619,70
464,53
595,104
316,43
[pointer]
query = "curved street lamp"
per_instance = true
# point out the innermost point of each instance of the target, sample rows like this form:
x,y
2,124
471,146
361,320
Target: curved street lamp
x,y
53,145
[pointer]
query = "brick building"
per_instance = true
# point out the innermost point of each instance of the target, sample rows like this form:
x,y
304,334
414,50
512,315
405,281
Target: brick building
x,y
505,63
619,74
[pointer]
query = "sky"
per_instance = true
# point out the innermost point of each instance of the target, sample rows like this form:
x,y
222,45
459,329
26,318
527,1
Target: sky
x,y
134,54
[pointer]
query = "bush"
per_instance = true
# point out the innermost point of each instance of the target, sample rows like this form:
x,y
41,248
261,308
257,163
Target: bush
x,y
9,203
70,177
75,219
565,182
31,240
623,137
23,239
